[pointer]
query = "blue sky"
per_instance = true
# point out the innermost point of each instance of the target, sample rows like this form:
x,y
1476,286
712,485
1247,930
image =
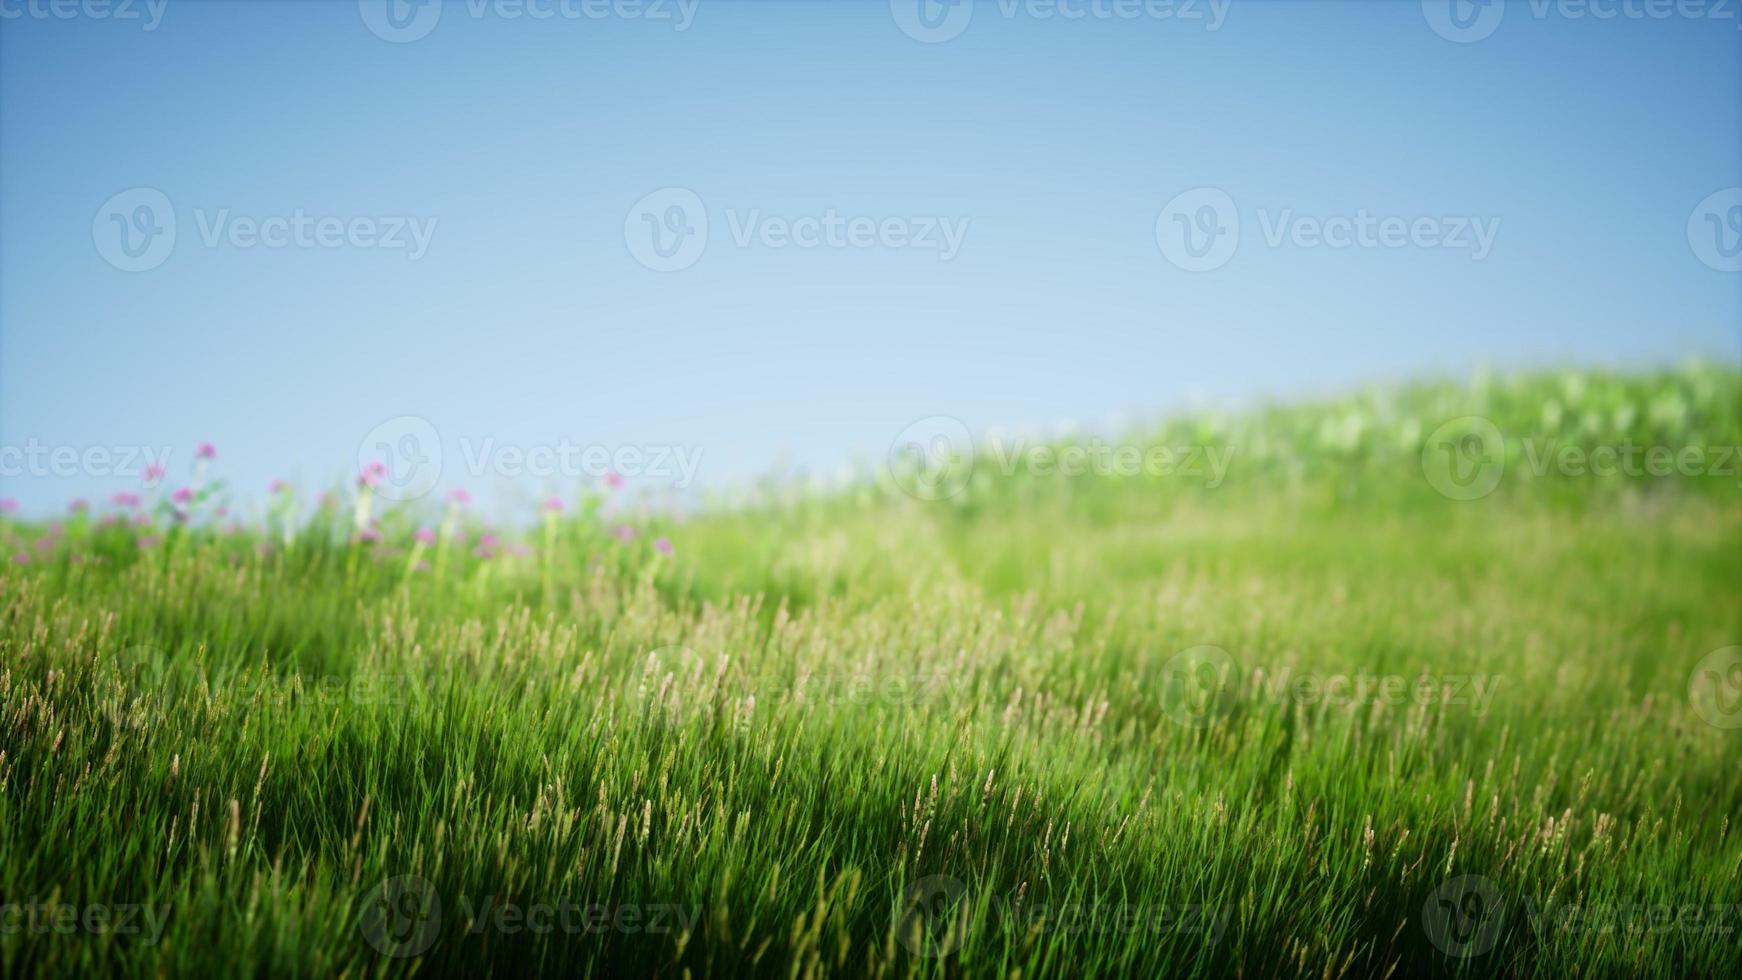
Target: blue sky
x,y
986,211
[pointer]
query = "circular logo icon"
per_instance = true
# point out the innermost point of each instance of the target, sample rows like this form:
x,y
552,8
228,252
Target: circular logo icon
x,y
932,21
1191,681
1199,229
402,916
1464,458
400,21
141,676
401,458
1715,230
933,458
1463,21
135,230
1715,687
933,918
1463,917
667,230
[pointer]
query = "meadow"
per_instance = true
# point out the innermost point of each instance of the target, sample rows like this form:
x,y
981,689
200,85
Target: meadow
x,y
1388,699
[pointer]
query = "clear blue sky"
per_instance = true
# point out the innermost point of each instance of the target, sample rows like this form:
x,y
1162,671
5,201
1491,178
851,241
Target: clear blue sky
x,y
528,319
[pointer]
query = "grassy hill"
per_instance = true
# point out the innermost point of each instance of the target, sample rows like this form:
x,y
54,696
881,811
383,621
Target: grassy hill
x,y
1429,680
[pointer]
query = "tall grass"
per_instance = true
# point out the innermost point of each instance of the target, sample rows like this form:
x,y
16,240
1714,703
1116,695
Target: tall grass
x,y
1049,726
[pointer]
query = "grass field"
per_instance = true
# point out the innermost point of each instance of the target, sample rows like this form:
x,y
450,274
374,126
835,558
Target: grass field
x,y
1318,718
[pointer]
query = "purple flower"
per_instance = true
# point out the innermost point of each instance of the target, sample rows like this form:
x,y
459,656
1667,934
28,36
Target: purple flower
x,y
426,535
372,474
153,473
613,480
662,545
553,505
206,450
8,506
125,499
624,532
182,495
369,535
22,558
459,497
279,486
143,520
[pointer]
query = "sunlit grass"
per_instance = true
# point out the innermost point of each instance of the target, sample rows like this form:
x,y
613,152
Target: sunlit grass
x,y
819,706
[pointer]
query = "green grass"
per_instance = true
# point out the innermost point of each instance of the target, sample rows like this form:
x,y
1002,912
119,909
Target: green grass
x,y
823,706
